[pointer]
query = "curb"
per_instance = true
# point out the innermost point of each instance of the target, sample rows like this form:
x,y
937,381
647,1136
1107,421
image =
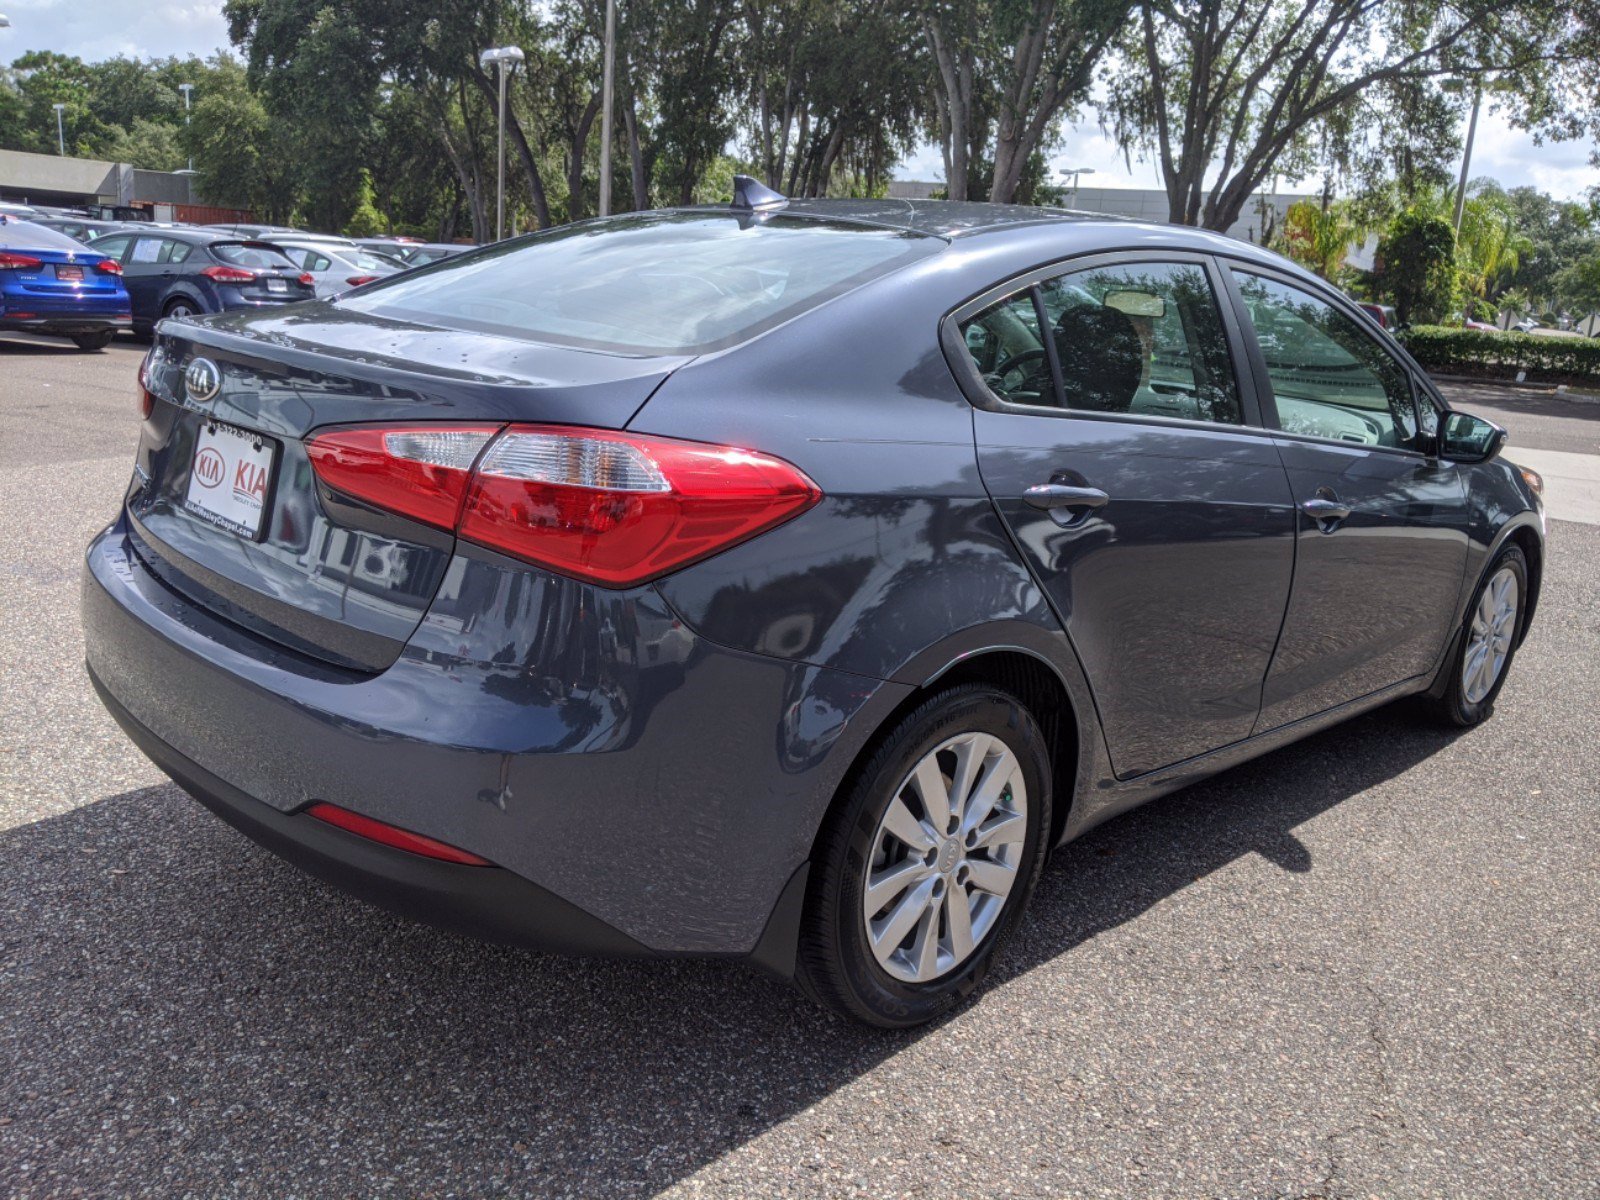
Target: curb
x,y
1558,391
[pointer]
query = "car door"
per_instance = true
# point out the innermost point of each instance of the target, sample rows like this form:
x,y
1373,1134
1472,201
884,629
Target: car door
x,y
1131,468
144,273
1382,542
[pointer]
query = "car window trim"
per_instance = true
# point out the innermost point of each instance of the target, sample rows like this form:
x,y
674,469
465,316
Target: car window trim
x,y
979,395
1340,303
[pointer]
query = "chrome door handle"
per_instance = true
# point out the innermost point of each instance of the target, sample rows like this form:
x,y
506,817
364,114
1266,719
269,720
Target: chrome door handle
x,y
1062,495
1319,508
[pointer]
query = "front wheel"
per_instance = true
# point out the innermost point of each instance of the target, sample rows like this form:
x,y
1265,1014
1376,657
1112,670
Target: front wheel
x,y
1488,641
93,341
926,865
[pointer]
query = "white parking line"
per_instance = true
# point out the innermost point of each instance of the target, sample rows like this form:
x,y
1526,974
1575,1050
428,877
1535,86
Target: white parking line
x,y
1571,482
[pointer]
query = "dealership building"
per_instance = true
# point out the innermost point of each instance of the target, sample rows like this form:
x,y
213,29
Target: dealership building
x,y
70,182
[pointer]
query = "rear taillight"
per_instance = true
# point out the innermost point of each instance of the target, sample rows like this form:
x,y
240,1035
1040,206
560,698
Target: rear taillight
x,y
228,274
358,280
147,402
611,508
393,835
108,266
305,278
421,472
18,262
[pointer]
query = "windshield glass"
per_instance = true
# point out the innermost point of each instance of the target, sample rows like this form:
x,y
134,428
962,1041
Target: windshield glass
x,y
251,254
680,283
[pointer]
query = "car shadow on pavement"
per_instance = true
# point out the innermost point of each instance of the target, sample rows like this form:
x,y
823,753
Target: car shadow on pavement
x,y
180,1011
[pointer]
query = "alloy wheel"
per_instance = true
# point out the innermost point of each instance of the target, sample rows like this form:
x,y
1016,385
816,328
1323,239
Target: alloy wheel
x,y
945,857
1489,639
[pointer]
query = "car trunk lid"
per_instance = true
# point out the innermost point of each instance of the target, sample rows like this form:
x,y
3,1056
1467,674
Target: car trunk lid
x,y
318,574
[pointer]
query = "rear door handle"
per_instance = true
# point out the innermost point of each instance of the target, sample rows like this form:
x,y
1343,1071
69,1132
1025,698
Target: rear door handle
x,y
1063,495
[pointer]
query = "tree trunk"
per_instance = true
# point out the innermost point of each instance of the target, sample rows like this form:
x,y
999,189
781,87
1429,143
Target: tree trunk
x,y
953,93
641,186
576,163
530,166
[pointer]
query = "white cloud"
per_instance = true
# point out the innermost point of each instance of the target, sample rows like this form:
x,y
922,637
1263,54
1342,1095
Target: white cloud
x,y
1506,154
98,29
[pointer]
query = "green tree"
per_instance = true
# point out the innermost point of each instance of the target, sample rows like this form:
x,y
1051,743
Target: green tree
x,y
366,220
1319,237
1416,266
1223,94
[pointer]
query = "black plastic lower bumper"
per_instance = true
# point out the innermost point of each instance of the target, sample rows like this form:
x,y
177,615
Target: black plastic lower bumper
x,y
486,902
65,324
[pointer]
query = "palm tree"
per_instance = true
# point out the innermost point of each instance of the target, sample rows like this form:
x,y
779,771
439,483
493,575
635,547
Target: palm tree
x,y
1319,237
1489,246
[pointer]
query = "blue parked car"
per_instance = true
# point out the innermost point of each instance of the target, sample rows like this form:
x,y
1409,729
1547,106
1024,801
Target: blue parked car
x,y
51,284
187,272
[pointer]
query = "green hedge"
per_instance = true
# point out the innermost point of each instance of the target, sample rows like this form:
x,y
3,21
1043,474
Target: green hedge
x,y
1439,348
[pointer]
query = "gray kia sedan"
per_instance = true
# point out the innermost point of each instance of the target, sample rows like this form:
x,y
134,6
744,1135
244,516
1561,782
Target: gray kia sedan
x,y
784,581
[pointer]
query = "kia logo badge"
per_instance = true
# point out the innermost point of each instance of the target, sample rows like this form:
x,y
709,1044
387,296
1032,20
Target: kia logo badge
x,y
202,380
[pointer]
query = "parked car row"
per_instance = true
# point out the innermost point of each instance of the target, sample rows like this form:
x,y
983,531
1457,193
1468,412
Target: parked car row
x,y
74,275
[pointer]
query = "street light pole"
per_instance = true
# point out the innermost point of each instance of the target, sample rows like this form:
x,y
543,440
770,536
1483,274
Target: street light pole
x,y
605,108
1075,172
61,137
187,88
1466,157
505,57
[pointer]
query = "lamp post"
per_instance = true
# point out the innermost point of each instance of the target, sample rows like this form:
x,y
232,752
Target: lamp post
x,y
605,108
61,137
506,58
186,89
1466,157
1075,172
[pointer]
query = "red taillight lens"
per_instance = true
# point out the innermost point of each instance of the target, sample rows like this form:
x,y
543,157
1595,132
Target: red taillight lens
x,y
421,471
18,262
228,274
108,266
358,280
305,278
147,402
612,508
393,835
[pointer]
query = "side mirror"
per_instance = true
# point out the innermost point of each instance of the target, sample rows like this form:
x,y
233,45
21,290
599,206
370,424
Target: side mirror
x,y
1469,439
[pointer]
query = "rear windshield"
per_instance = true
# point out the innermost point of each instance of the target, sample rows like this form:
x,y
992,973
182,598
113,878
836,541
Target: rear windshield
x,y
371,262
679,283
250,254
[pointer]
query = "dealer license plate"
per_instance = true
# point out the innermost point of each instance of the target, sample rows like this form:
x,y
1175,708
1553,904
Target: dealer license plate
x,y
231,478
277,285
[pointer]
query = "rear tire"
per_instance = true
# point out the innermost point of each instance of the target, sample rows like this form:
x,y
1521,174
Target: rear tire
x,y
93,341
1487,642
181,310
968,882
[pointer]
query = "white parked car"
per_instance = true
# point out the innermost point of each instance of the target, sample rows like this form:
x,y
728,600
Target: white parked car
x,y
337,268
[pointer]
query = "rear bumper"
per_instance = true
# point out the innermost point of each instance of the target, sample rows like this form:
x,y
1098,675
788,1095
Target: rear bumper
x,y
486,902
65,324
639,790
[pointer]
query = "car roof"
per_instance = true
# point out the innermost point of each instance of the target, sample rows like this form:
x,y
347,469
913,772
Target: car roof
x,y
941,218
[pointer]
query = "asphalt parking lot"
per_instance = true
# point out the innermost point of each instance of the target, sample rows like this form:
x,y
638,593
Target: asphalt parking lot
x,y
1366,965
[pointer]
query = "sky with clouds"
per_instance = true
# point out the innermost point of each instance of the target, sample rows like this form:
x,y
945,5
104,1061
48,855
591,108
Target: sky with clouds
x,y
96,29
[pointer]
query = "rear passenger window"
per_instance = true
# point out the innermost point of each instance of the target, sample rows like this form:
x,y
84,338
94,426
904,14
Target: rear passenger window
x,y
176,252
1144,339
1329,377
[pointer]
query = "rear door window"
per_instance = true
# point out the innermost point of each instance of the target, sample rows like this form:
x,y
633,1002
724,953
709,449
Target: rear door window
x,y
1145,339
148,250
